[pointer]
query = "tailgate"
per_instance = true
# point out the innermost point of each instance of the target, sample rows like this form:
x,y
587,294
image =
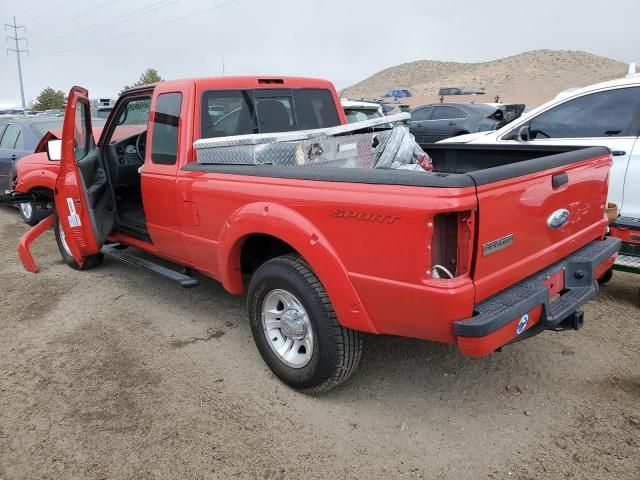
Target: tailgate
x,y
534,213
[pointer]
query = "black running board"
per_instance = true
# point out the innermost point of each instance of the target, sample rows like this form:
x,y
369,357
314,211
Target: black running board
x,y
127,258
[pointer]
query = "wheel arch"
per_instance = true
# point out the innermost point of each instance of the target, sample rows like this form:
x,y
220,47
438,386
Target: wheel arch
x,y
291,229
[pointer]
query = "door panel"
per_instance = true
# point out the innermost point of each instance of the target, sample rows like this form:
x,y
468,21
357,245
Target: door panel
x,y
84,204
8,154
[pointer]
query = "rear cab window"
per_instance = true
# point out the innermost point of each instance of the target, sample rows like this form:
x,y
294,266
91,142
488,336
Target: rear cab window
x,y
241,112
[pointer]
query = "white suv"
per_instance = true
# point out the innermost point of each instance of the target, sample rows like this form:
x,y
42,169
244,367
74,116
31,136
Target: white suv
x,y
605,114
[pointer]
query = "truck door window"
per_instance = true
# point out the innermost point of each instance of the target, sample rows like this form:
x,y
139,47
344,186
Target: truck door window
x,y
602,114
164,142
81,138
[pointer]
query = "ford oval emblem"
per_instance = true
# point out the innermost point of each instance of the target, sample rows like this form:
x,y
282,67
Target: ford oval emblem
x,y
522,324
558,218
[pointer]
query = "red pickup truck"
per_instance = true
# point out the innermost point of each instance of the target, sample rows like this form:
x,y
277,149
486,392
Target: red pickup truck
x,y
492,246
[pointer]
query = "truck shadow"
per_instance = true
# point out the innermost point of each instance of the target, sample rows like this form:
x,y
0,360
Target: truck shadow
x,y
390,367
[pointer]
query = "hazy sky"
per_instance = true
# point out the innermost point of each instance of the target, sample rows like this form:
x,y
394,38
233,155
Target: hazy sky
x,y
105,44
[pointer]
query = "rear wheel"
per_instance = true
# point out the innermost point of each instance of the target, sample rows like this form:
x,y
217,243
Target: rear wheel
x,y
88,262
296,329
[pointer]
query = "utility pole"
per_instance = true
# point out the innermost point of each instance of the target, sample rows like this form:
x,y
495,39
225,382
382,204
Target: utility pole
x,y
18,51
223,64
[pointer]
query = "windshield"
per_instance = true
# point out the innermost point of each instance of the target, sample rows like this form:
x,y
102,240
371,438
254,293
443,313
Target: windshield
x,y
55,125
133,116
361,114
41,128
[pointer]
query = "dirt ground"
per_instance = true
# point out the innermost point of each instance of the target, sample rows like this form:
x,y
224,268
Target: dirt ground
x,y
114,373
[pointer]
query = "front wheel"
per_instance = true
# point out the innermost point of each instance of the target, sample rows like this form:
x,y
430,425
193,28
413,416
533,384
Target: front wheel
x,y
89,261
31,214
296,329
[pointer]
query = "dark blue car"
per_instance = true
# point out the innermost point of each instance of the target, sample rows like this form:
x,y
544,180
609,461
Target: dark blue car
x,y
19,137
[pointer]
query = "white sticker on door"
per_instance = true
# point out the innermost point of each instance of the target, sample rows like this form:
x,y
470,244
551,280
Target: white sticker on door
x,y
74,218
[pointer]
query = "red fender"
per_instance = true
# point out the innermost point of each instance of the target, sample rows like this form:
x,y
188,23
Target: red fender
x,y
291,227
27,239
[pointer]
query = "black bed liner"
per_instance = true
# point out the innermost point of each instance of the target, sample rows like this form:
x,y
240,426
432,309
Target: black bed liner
x,y
455,166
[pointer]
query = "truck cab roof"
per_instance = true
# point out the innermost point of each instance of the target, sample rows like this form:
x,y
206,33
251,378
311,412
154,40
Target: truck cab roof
x,y
240,82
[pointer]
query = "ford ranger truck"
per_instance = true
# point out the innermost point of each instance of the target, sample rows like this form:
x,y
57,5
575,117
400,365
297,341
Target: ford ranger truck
x,y
496,244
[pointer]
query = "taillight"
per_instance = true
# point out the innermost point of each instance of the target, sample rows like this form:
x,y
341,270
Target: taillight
x,y
452,244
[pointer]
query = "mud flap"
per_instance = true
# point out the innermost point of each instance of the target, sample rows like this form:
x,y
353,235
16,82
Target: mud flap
x,y
27,239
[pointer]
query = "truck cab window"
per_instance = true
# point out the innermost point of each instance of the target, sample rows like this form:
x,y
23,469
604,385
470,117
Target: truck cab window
x,y
242,112
166,119
227,112
275,114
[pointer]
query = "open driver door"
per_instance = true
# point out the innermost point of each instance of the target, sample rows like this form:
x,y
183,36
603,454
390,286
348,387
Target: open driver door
x,y
84,198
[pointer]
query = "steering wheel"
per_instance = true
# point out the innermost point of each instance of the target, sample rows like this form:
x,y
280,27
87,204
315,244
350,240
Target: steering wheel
x,y
141,146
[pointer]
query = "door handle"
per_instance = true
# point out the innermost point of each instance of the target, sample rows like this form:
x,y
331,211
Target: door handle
x,y
14,156
451,124
559,179
618,153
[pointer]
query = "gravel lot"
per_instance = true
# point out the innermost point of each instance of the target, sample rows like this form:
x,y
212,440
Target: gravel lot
x,y
114,373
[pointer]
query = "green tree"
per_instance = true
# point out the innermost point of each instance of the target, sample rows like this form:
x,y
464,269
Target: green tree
x,y
150,75
49,99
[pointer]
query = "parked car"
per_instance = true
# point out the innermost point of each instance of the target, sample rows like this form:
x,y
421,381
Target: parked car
x,y
358,111
605,114
399,93
54,112
18,138
324,249
447,91
435,122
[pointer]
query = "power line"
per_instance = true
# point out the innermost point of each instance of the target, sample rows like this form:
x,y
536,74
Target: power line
x,y
82,14
47,12
220,5
17,51
132,15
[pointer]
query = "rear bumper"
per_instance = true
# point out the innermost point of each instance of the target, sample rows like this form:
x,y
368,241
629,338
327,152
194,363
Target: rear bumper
x,y
526,308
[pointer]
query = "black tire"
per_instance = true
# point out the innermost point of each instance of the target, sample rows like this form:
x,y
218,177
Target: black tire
x,y
90,261
463,132
336,350
606,277
33,215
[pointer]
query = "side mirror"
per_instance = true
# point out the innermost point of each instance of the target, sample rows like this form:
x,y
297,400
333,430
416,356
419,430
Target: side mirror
x,y
523,134
54,150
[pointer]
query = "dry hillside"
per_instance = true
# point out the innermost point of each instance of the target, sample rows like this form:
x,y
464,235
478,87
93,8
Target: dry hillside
x,y
532,77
